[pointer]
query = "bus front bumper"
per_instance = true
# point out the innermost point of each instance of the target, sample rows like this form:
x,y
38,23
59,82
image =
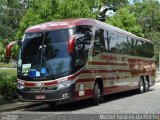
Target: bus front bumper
x,y
64,95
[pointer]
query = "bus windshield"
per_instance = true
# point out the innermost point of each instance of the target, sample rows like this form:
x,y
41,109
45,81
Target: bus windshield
x,y
45,54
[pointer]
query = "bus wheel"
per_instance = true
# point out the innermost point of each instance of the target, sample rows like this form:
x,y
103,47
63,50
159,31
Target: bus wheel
x,y
96,95
141,86
146,85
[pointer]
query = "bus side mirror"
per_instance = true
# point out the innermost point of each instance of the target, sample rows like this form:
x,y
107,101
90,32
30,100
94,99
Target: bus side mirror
x,y
8,49
75,47
71,44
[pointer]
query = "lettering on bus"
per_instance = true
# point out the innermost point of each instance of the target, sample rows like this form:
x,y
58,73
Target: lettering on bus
x,y
108,57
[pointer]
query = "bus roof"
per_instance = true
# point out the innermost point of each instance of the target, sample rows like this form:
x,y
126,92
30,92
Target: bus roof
x,y
68,23
60,24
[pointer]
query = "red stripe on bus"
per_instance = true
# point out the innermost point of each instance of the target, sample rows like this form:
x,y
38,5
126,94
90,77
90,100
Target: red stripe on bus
x,y
104,71
104,78
86,80
29,84
115,89
110,71
107,90
50,83
96,71
139,60
104,63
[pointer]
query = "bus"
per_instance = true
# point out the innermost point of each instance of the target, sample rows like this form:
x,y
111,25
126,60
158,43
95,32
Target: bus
x,y
76,59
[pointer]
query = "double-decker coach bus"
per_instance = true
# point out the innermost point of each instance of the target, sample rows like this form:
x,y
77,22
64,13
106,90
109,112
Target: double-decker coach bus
x,y
76,59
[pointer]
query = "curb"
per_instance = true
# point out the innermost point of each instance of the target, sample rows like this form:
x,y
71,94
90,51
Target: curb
x,y
20,107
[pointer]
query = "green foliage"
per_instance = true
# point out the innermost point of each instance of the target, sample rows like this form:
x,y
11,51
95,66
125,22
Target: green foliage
x,y
73,8
148,15
141,18
94,3
154,36
42,11
126,20
2,50
7,85
7,65
11,12
115,4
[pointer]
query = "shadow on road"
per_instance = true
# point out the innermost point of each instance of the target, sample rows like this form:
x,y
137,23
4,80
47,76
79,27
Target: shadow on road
x,y
83,104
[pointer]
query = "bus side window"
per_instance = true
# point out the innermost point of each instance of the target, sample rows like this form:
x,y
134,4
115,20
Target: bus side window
x,y
99,42
140,48
106,39
147,49
112,41
137,47
134,45
123,45
83,42
150,49
129,46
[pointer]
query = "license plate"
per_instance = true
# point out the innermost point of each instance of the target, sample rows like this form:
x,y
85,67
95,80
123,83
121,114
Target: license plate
x,y
39,97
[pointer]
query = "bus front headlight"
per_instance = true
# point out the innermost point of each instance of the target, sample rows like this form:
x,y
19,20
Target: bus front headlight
x,y
20,85
64,82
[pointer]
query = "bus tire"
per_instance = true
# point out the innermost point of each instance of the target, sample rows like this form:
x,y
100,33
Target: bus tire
x,y
96,94
141,86
146,81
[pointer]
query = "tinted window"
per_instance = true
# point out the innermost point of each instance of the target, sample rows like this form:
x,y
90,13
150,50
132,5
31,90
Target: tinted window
x,y
48,50
56,56
112,41
145,49
83,42
149,49
117,43
31,48
56,44
122,44
142,48
99,43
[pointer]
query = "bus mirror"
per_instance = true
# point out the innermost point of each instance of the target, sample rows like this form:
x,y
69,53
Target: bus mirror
x,y
8,49
71,44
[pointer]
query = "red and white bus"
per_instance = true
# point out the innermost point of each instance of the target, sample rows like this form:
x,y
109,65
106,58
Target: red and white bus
x,y
75,59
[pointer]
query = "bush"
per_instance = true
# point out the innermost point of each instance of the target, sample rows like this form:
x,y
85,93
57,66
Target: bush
x,y
7,85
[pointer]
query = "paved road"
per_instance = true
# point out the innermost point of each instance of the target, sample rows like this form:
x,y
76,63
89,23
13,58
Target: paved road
x,y
121,103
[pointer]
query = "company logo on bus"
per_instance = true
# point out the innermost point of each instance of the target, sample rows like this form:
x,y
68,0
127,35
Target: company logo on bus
x,y
40,85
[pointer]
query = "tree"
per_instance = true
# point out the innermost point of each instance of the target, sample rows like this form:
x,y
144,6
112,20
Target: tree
x,y
125,20
148,15
10,15
113,5
42,11
11,12
154,36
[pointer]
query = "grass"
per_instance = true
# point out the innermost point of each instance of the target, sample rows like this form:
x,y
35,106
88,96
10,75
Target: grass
x,y
7,65
9,72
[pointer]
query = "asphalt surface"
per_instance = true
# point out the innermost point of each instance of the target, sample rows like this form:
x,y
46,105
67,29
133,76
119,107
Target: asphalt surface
x,y
130,103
